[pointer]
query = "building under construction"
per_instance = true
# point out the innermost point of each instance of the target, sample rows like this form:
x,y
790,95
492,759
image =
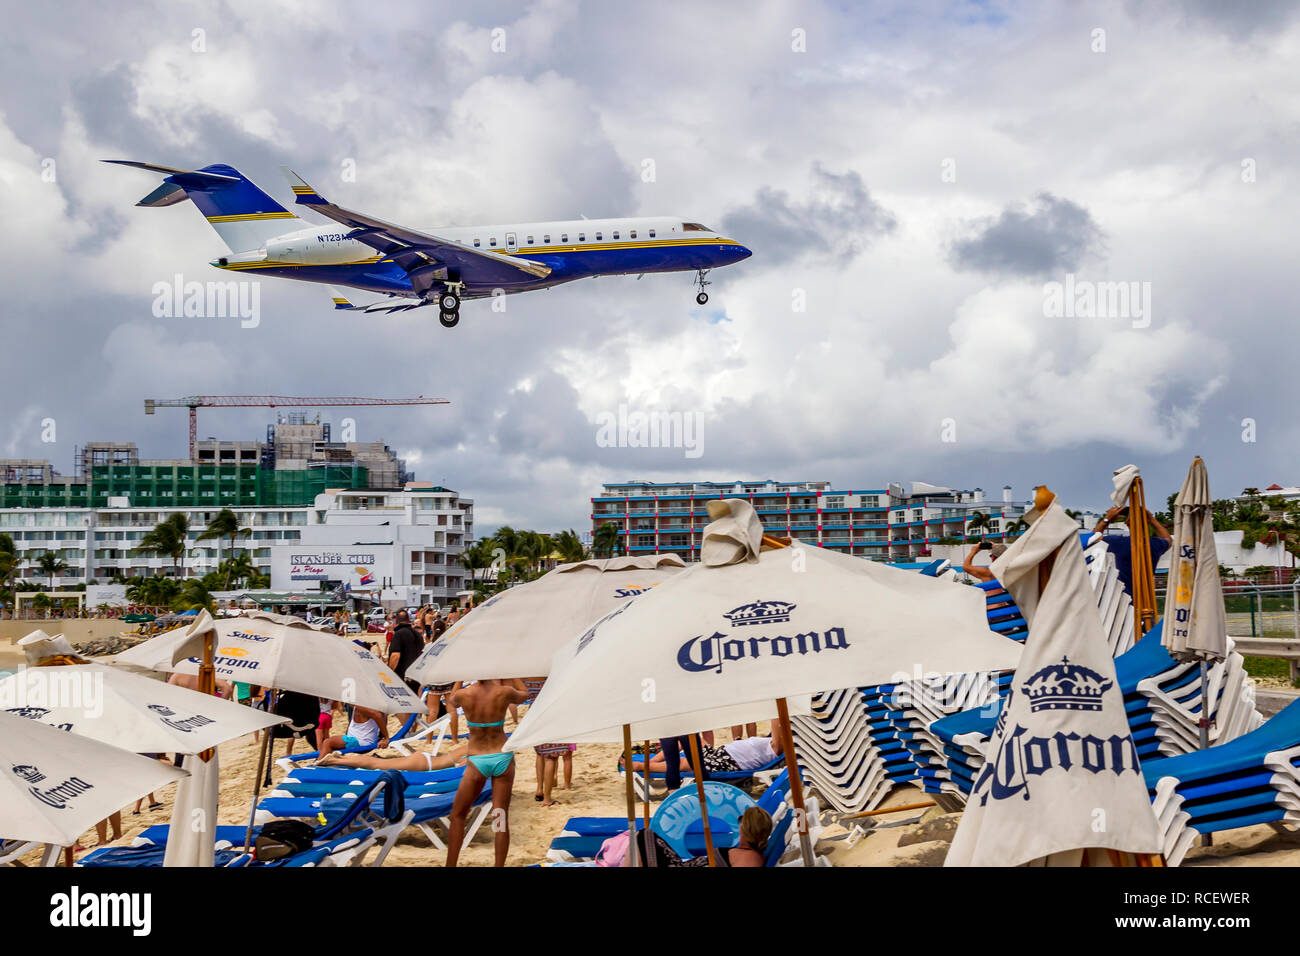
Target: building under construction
x,y
297,462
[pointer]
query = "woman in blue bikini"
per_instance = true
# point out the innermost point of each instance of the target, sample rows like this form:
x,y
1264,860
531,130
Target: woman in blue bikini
x,y
485,704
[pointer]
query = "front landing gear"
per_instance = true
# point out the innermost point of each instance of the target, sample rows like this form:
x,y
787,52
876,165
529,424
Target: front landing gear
x,y
449,304
701,297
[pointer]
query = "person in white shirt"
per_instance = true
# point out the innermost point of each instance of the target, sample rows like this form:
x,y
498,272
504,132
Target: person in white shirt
x,y
364,733
748,753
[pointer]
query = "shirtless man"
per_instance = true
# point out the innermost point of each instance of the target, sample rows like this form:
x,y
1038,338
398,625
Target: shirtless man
x,y
485,705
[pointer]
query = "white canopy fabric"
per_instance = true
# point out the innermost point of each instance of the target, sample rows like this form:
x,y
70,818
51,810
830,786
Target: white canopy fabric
x,y
718,643
127,710
1123,482
191,838
1062,771
55,785
1195,622
38,645
517,632
285,656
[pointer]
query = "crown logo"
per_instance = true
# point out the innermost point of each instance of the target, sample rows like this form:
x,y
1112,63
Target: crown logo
x,y
161,710
31,713
760,612
28,772
1066,686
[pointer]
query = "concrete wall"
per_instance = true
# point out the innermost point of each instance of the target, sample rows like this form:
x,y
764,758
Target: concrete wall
x,y
74,629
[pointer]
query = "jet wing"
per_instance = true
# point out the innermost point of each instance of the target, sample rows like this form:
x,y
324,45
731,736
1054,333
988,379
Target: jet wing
x,y
425,258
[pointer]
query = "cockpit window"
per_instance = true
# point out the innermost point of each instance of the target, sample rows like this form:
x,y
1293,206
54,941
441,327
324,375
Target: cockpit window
x,y
695,227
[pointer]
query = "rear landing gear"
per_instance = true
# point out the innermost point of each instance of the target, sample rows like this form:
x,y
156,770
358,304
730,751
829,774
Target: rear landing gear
x,y
700,282
448,319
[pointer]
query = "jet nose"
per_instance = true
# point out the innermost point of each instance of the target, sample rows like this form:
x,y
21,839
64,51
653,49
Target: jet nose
x,y
738,253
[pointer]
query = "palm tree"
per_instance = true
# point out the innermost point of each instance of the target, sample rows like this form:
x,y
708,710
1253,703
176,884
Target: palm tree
x,y
238,568
979,521
570,546
606,540
168,538
9,562
224,525
476,557
1016,527
50,564
193,595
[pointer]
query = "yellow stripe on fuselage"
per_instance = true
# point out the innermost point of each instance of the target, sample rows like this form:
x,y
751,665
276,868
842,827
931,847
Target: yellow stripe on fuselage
x,y
585,247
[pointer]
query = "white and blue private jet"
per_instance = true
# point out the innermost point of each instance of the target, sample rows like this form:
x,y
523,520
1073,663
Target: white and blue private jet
x,y
446,266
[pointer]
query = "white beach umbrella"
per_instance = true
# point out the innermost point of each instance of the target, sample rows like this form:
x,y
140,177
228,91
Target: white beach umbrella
x,y
127,710
517,632
1062,774
718,643
730,639
55,785
1195,626
286,656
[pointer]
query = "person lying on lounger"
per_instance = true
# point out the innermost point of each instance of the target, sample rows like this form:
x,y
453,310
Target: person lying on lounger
x,y
363,732
419,761
749,753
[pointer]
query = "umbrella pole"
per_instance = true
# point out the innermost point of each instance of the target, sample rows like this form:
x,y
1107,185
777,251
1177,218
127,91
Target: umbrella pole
x,y
257,787
649,837
1143,573
208,680
697,764
631,795
796,785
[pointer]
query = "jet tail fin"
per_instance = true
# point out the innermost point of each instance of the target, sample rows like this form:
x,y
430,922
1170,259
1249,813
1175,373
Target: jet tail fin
x,y
243,215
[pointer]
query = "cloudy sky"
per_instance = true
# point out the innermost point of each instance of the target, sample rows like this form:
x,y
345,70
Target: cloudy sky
x,y
911,176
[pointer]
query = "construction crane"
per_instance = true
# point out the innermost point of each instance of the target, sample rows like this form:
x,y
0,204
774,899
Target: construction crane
x,y
195,402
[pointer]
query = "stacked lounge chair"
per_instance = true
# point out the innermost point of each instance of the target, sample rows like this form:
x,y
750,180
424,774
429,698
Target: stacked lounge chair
x,y
1252,779
1162,698
859,744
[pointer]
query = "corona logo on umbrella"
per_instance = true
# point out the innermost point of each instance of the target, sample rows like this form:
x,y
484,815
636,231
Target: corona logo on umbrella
x,y
364,574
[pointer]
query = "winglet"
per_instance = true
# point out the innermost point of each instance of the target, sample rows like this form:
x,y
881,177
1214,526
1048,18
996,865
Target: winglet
x,y
304,193
341,301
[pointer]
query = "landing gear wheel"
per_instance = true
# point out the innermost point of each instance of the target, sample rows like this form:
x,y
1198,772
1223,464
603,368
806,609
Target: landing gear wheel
x,y
700,283
449,319
449,302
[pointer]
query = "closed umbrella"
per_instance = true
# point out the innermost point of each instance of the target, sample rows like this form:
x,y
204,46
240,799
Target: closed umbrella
x,y
517,632
1195,626
56,785
729,639
1062,775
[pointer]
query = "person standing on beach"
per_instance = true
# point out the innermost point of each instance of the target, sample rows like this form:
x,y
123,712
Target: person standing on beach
x,y
1121,545
485,704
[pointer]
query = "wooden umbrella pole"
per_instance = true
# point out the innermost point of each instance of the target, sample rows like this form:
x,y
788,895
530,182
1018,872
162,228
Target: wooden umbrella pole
x,y
1143,573
649,837
882,810
796,785
631,795
208,679
264,752
697,765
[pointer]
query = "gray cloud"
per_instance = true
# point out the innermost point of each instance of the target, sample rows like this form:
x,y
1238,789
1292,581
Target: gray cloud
x,y
837,218
1035,239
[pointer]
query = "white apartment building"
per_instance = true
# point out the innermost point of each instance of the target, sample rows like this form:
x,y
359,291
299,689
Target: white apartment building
x,y
418,531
